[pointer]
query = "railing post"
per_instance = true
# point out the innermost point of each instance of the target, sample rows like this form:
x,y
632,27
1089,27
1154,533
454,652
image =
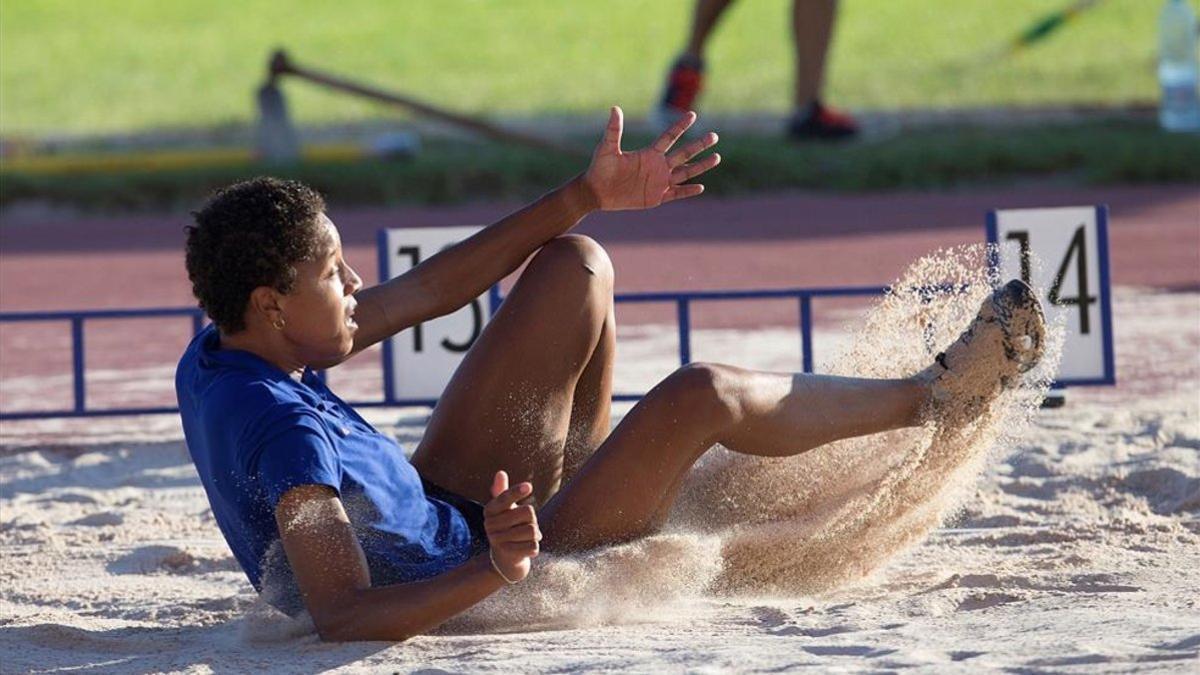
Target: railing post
x,y
683,315
806,348
77,363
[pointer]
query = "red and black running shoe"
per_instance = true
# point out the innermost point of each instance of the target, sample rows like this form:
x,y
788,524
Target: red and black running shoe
x,y
821,123
684,84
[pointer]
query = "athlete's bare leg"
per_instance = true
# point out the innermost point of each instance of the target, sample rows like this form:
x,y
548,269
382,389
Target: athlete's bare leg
x,y
626,489
628,486
539,377
591,408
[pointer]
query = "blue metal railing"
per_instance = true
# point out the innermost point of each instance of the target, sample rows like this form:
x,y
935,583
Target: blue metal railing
x,y
681,300
804,296
76,319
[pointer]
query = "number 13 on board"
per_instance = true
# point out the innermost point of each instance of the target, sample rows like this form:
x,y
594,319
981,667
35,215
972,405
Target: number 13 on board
x,y
418,363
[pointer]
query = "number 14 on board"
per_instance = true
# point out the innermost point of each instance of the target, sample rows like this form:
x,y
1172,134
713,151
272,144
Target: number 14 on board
x,y
1063,253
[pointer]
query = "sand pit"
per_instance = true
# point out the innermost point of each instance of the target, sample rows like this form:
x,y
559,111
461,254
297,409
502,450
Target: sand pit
x,y
1077,549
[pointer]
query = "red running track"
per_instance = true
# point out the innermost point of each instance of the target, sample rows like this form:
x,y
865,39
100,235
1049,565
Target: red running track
x,y
61,262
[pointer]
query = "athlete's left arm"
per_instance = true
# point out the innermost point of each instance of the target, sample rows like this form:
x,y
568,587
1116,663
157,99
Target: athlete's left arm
x,y
615,180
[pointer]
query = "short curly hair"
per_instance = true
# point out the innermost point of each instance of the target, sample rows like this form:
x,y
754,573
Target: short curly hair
x,y
247,235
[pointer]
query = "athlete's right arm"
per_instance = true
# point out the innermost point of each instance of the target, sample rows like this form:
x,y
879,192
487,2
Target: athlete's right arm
x,y
335,583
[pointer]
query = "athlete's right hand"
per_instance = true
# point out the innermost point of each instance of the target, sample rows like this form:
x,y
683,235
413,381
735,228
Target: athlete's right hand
x,y
642,179
512,529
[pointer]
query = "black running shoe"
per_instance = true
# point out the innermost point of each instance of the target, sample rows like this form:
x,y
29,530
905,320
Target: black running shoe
x,y
821,123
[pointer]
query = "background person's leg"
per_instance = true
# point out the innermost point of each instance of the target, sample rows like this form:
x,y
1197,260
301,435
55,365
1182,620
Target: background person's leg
x,y
704,18
812,29
812,32
626,489
685,80
539,374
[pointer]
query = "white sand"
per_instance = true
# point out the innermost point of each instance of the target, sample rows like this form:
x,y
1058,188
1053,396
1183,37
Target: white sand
x,y
1077,551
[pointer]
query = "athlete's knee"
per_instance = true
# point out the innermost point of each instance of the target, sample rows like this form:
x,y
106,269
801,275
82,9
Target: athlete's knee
x,y
579,252
709,391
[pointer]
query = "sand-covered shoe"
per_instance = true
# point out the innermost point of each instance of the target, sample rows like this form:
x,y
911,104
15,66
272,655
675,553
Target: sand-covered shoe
x,y
1006,338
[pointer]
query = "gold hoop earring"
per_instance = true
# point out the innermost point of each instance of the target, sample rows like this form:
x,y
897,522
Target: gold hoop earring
x,y
278,324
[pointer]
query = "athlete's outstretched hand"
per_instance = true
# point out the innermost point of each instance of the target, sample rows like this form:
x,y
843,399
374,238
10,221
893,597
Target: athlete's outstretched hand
x,y
645,178
512,529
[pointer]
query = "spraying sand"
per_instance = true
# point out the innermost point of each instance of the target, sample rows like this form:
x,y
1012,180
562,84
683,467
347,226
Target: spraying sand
x,y
806,524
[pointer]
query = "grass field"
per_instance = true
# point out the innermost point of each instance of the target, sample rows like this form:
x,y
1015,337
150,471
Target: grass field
x,y
125,65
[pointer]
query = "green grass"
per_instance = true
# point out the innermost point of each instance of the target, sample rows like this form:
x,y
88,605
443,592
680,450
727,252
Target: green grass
x,y
126,65
455,172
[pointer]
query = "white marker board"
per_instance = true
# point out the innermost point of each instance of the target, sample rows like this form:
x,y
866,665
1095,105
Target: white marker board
x,y
1071,244
418,362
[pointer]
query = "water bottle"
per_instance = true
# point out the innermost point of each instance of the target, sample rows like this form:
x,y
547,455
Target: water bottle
x,y
1177,68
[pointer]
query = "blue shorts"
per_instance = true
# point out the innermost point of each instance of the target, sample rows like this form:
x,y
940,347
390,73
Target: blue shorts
x,y
471,510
